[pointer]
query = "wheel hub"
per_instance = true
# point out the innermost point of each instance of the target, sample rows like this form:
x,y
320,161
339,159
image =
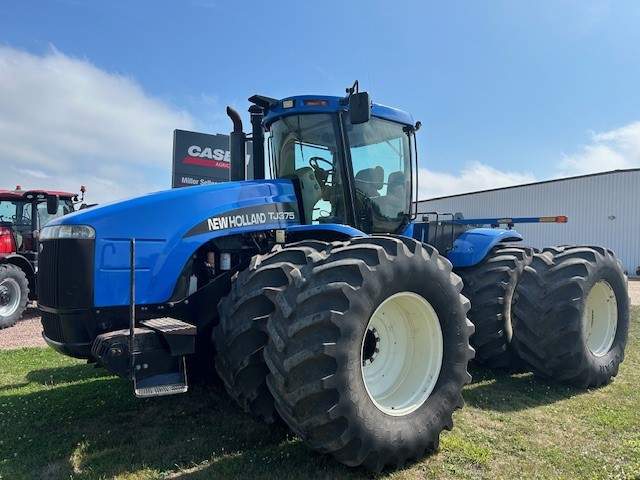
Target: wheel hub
x,y
370,348
9,297
5,295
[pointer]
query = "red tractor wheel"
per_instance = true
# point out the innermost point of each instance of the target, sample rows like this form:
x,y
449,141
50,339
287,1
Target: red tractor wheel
x,y
14,294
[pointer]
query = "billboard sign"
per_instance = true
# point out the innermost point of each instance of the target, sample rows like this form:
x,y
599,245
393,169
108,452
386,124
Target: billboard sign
x,y
199,158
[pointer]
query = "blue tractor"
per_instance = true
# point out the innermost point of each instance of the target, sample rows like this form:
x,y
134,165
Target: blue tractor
x,y
321,295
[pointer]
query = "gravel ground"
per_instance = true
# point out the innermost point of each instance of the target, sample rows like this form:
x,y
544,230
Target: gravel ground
x,y
28,331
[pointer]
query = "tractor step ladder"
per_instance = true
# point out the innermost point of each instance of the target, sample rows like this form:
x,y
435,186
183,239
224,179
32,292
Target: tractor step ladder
x,y
170,326
180,337
162,384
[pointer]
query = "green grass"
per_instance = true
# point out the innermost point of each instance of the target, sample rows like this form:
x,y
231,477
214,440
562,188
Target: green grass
x,y
62,419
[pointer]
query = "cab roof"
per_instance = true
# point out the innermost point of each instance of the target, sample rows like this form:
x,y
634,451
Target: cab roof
x,y
326,104
30,194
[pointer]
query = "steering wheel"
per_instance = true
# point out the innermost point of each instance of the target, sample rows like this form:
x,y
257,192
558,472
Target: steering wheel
x,y
322,174
315,162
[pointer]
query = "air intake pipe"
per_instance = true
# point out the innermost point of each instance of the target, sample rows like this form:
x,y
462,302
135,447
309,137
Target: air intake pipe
x,y
257,136
237,142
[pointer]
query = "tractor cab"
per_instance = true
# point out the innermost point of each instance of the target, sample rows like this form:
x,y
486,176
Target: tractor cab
x,y
349,171
23,213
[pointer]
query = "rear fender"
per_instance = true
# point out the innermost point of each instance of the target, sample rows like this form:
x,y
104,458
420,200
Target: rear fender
x,y
472,246
327,232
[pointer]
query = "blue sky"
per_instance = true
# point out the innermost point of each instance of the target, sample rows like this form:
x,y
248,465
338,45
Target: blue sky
x,y
508,91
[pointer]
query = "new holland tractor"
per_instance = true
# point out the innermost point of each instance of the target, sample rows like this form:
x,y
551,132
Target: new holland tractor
x,y
321,295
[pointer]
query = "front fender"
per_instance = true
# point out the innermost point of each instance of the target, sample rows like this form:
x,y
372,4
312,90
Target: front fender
x,y
473,245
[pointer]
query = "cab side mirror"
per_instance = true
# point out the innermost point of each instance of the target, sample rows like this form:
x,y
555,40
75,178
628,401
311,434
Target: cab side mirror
x,y
360,107
53,202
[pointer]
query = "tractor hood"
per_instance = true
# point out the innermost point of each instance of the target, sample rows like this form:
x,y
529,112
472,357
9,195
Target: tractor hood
x,y
176,213
168,227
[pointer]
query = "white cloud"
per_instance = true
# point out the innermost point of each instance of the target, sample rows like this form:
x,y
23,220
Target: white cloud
x,y
472,178
64,122
616,149
612,150
32,173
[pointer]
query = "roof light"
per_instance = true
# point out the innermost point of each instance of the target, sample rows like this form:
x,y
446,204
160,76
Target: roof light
x,y
288,103
316,103
558,219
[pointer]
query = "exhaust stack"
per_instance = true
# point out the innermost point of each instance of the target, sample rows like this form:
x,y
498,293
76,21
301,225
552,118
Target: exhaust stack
x,y
237,142
257,136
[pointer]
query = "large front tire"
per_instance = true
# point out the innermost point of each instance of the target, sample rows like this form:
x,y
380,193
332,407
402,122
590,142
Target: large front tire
x,y
572,317
241,334
368,355
14,294
490,286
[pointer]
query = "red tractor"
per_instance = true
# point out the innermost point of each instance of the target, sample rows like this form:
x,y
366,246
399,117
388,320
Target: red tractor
x,y
22,214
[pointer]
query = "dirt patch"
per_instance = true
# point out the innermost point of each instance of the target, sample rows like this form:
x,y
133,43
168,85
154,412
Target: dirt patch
x,y
28,331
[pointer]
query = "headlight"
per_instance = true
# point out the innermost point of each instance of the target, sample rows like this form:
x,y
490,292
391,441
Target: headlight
x,y
84,232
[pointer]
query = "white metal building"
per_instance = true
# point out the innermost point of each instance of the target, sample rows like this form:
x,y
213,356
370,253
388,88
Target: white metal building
x,y
603,209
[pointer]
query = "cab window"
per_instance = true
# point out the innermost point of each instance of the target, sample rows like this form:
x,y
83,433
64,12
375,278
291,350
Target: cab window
x,y
381,159
303,147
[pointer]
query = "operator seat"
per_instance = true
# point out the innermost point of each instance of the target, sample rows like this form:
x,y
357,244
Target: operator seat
x,y
369,181
394,202
390,209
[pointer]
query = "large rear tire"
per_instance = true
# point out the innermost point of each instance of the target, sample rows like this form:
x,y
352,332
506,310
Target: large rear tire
x,y
241,333
490,286
368,355
14,294
572,316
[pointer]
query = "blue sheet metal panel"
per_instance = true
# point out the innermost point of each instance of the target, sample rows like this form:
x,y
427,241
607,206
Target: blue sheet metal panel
x,y
409,231
473,245
170,226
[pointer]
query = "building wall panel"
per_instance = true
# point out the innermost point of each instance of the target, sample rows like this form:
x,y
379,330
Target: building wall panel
x,y
603,209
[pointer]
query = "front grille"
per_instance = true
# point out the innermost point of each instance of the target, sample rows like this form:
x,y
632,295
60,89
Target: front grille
x,y
47,273
65,273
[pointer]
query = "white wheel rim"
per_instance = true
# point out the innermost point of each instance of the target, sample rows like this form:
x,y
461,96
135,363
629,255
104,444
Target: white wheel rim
x,y
600,319
401,353
10,293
